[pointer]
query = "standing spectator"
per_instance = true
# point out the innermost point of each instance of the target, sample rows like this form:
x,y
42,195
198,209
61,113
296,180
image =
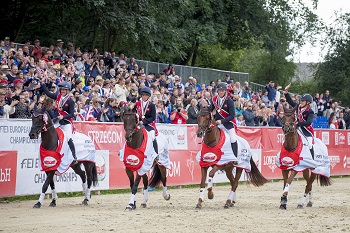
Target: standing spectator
x,y
59,47
192,112
341,121
178,114
247,94
37,52
110,115
271,93
120,91
23,108
332,121
248,115
327,100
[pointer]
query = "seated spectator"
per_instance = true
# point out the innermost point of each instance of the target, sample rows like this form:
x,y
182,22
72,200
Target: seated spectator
x,y
332,121
247,94
278,119
109,112
192,112
6,109
341,122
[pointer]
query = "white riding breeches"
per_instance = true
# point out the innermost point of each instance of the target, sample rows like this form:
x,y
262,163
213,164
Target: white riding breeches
x,y
152,135
67,129
230,132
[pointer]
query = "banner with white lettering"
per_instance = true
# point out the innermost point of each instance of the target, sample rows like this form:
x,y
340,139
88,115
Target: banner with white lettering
x,y
8,162
175,134
15,135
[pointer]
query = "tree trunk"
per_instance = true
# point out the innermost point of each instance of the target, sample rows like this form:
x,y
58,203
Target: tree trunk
x,y
185,61
23,13
194,57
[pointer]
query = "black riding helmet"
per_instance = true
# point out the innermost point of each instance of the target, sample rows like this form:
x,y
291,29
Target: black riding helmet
x,y
222,86
64,85
307,97
145,90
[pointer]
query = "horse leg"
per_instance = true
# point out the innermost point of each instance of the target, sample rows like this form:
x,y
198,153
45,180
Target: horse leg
x,y
231,197
309,191
49,179
77,169
210,181
145,190
287,181
306,175
204,171
132,201
166,195
54,194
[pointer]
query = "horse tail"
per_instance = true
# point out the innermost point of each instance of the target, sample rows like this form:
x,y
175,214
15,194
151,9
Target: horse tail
x,y
156,176
324,181
94,175
255,175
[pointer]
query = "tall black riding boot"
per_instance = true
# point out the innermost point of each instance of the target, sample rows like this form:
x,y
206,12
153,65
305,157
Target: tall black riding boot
x,y
155,145
312,153
72,148
234,147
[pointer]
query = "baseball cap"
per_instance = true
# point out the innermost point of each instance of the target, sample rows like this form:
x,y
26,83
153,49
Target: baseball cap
x,y
59,41
36,40
17,81
86,88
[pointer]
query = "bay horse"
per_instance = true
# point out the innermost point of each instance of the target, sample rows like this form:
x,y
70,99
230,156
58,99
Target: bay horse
x,y
42,124
319,165
134,139
210,134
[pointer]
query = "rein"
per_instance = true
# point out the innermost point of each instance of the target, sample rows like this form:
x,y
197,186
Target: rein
x,y
207,128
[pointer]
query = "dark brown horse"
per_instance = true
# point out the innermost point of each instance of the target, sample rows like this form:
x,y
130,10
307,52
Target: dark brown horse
x,y
291,139
134,137
208,130
42,124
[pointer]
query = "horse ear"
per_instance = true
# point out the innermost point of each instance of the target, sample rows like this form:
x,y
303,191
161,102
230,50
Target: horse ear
x,y
43,108
295,108
285,109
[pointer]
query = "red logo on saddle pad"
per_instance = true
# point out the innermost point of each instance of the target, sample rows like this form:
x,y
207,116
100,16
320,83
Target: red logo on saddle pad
x,y
133,160
209,157
49,161
287,161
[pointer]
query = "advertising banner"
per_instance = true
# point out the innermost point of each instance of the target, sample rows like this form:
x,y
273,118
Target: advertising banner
x,y
8,167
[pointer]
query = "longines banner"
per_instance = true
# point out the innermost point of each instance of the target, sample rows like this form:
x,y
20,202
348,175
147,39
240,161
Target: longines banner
x,y
20,175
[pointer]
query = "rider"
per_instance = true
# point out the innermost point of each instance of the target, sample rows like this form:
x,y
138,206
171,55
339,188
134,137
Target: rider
x,y
147,114
305,116
225,114
64,112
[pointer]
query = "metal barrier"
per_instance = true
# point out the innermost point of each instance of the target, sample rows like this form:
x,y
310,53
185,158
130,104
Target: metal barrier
x,y
202,75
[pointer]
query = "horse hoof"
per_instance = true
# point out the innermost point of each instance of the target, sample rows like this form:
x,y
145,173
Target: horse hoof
x,y
143,205
85,202
226,206
300,206
309,204
283,207
210,195
167,197
198,206
37,205
53,203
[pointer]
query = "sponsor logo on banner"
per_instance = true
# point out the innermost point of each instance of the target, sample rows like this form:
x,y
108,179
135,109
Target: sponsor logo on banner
x,y
334,160
209,157
325,138
280,138
104,136
174,169
190,165
339,138
270,161
346,161
50,161
175,134
100,167
133,160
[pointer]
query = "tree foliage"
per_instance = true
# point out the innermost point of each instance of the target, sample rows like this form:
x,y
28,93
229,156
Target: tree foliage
x,y
178,31
334,73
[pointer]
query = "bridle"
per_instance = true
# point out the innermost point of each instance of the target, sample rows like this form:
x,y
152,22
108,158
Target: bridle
x,y
208,126
131,130
45,121
289,127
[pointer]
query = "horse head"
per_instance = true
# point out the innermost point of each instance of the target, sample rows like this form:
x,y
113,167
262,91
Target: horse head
x,y
288,120
130,120
205,121
40,119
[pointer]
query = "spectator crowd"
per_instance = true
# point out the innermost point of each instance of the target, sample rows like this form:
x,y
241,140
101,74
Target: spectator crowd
x,y
102,84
